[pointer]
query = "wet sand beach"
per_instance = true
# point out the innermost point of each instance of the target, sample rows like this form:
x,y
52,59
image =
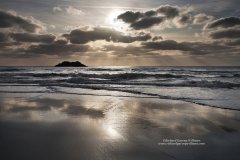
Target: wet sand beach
x,y
63,126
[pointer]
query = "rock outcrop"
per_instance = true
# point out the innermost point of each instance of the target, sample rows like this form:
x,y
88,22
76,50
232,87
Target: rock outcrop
x,y
70,64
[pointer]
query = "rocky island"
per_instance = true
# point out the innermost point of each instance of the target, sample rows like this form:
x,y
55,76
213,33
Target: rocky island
x,y
70,64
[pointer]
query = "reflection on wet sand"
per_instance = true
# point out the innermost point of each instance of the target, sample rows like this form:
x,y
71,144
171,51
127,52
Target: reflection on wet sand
x,y
88,127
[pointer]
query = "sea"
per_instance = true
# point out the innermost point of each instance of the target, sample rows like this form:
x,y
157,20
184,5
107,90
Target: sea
x,y
211,86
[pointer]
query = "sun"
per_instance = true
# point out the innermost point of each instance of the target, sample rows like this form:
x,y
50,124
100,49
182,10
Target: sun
x,y
112,21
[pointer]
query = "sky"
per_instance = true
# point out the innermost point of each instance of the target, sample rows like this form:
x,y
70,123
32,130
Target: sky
x,y
120,33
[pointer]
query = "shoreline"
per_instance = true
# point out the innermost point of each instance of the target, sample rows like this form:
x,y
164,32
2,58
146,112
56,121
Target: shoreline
x,y
122,96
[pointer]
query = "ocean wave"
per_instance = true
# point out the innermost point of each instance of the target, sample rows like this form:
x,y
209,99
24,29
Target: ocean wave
x,y
10,69
115,76
166,80
182,83
230,76
127,76
146,81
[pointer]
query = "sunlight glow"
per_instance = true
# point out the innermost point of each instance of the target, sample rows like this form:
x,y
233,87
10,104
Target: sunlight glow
x,y
113,22
112,133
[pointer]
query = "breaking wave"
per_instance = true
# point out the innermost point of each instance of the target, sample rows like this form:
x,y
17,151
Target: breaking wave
x,y
151,81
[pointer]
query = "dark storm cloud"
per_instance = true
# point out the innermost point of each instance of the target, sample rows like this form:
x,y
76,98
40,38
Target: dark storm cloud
x,y
167,45
157,38
185,48
60,48
150,13
184,19
143,20
169,11
8,20
233,42
225,30
228,33
194,48
3,37
166,10
130,17
79,36
8,44
29,37
224,22
140,20
178,16
146,22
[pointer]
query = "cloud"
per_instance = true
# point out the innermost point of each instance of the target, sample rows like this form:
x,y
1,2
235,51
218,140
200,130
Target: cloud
x,y
73,11
57,9
233,42
225,30
202,18
156,38
7,44
224,22
69,10
11,20
60,48
168,45
228,33
119,51
169,11
184,20
150,13
29,37
178,16
79,36
184,48
139,20
21,39
194,48
3,37
129,16
146,22
52,26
